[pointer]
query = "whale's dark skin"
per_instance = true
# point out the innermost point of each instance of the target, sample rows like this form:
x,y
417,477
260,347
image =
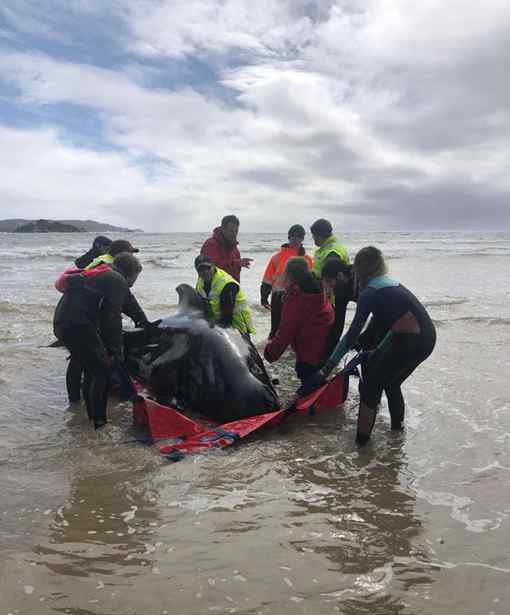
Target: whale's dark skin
x,y
210,370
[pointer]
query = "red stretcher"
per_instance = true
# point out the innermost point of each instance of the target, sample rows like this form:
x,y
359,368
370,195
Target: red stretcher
x,y
192,436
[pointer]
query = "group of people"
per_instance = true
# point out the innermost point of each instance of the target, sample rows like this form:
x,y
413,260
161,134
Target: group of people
x,y
307,298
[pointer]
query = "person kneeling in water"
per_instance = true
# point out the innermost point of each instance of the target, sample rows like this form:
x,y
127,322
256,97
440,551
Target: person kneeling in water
x,y
306,322
410,338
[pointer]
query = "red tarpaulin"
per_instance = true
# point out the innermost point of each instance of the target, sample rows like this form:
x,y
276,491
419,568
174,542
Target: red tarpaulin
x,y
164,422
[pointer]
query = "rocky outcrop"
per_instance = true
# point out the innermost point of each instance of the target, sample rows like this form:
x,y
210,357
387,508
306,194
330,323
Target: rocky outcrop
x,y
47,226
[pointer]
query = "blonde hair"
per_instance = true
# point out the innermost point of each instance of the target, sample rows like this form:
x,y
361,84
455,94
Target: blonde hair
x,y
369,263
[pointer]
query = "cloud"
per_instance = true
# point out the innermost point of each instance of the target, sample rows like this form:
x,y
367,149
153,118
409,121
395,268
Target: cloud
x,y
373,110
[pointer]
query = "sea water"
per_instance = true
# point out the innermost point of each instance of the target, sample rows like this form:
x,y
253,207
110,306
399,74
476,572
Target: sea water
x,y
296,519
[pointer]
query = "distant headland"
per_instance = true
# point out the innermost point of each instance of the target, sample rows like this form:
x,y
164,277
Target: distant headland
x,y
20,225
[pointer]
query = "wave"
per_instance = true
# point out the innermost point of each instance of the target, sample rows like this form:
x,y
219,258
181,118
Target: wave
x,y
163,264
483,320
446,302
6,307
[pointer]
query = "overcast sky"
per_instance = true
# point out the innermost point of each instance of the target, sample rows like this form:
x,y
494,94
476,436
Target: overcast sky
x,y
166,115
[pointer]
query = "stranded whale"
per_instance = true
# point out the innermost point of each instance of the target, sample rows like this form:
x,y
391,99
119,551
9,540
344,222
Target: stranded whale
x,y
208,369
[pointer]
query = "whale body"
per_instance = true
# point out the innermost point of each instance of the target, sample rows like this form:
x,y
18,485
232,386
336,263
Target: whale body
x,y
195,365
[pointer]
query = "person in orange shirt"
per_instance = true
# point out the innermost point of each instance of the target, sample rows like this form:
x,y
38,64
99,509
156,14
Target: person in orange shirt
x,y
273,282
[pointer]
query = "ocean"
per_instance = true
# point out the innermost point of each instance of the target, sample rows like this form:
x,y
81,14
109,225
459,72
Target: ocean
x,y
295,520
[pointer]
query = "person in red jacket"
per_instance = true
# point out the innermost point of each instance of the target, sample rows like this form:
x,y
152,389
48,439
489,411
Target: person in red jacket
x,y
307,319
222,248
273,282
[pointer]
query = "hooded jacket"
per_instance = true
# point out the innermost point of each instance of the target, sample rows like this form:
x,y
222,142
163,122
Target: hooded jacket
x,y
224,255
307,319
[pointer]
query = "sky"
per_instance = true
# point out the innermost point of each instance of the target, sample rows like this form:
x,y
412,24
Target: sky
x,y
166,115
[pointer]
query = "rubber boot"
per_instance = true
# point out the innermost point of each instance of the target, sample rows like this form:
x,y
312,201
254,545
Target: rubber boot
x,y
366,420
396,406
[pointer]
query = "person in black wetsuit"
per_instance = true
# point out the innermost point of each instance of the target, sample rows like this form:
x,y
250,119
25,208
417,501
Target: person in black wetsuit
x,y
409,338
100,246
338,281
103,246
88,321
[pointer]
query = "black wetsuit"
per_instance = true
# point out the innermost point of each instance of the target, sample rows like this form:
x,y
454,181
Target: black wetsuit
x,y
344,292
398,355
84,310
131,308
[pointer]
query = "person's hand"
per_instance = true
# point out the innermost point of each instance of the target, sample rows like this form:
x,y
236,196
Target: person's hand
x,y
312,383
246,262
265,305
151,324
117,355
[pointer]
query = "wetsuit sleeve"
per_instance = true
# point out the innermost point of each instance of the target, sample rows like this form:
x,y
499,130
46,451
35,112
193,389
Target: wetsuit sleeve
x,y
133,309
115,292
265,291
286,331
85,259
227,303
365,302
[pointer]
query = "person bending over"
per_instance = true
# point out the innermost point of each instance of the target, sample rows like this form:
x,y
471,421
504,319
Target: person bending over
x,y
307,319
88,321
410,337
225,302
273,282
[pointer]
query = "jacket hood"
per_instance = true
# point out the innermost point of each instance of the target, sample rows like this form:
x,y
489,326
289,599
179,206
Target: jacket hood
x,y
218,235
286,246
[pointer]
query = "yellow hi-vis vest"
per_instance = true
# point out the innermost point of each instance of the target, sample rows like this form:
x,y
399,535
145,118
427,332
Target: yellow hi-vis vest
x,y
104,259
321,254
241,319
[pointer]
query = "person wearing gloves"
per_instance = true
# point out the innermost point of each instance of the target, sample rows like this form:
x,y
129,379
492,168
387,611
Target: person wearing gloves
x,y
409,339
273,282
88,321
99,247
225,302
307,319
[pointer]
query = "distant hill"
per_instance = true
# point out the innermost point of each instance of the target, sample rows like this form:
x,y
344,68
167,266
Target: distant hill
x,y
11,224
47,226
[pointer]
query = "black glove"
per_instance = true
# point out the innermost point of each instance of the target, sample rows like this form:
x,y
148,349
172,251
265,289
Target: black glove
x,y
312,383
117,355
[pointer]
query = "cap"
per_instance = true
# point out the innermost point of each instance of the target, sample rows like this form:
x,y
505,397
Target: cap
x,y
121,245
203,262
101,242
322,228
296,230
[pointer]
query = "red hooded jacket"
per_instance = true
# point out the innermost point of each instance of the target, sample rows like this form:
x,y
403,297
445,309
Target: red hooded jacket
x,y
307,319
224,255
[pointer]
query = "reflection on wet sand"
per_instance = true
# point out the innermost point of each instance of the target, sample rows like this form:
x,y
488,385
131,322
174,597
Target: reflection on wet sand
x,y
103,525
363,512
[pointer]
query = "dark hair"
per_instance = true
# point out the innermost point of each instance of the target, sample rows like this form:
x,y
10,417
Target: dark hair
x,y
127,264
321,227
334,266
369,263
296,230
297,270
230,219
